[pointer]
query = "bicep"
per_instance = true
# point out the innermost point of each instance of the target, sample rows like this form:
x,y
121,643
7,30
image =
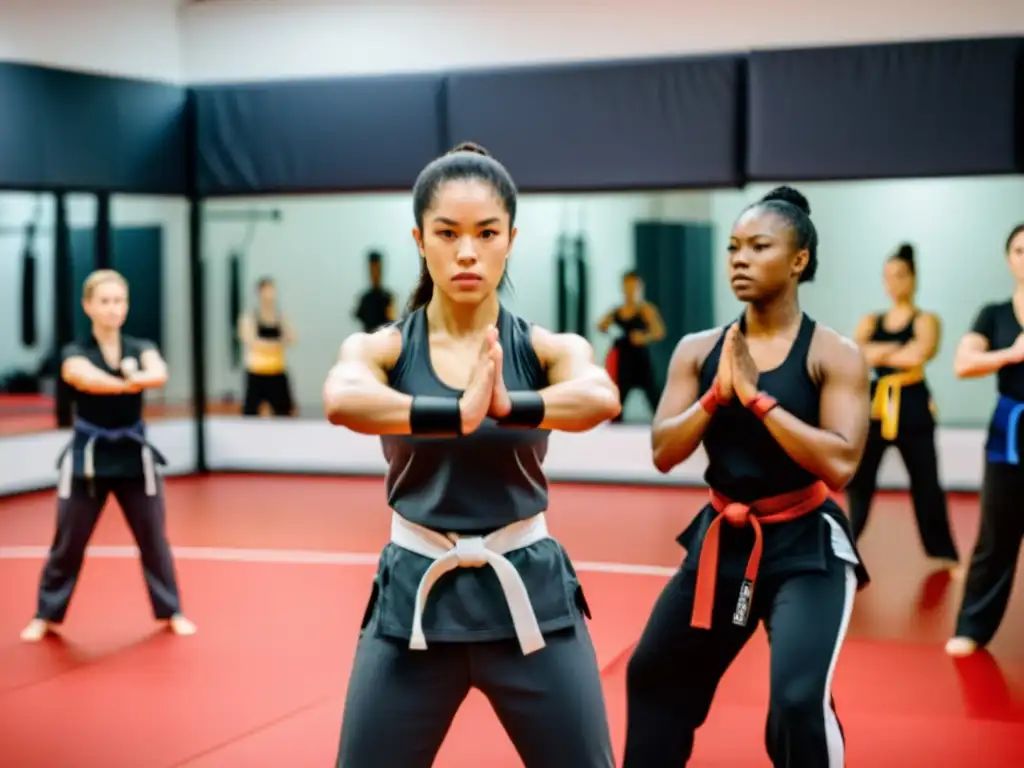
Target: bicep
x,y
74,368
246,329
360,356
567,356
653,316
151,359
682,385
865,330
973,342
928,333
845,393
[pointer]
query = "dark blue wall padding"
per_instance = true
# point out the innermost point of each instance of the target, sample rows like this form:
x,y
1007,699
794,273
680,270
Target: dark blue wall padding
x,y
71,130
326,135
607,126
917,109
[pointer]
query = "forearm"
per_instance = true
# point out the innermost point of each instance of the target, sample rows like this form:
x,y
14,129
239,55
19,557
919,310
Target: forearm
x,y
89,378
579,404
906,358
825,454
150,379
969,365
673,440
878,352
367,407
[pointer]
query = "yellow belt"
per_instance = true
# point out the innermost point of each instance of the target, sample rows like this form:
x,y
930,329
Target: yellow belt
x,y
885,406
266,362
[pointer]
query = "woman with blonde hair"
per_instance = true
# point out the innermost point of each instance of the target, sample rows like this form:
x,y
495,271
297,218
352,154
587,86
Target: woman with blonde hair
x,y
109,454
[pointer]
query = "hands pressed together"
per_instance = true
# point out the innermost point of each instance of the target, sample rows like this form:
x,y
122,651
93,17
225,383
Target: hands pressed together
x,y
485,395
737,372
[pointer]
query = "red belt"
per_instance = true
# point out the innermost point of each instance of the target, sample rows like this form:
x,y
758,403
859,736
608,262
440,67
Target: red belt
x,y
776,509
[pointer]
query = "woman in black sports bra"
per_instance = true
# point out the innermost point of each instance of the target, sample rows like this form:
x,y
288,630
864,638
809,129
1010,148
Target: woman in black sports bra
x,y
629,360
266,335
780,404
898,344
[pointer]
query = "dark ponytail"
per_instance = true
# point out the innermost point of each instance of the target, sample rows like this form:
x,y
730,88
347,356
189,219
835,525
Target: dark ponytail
x,y
905,253
467,160
423,291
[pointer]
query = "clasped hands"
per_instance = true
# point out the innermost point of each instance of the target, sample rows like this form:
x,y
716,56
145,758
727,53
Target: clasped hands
x,y
737,372
485,395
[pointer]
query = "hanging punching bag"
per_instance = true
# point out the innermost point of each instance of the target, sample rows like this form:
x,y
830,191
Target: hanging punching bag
x,y
582,286
29,334
235,305
562,287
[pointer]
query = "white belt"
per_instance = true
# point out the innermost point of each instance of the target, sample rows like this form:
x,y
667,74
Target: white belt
x,y
451,551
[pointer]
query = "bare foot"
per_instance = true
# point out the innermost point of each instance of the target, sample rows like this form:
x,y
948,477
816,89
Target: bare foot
x,y
960,647
36,630
181,626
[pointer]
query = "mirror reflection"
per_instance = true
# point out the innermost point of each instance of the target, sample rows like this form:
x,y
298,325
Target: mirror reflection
x,y
288,278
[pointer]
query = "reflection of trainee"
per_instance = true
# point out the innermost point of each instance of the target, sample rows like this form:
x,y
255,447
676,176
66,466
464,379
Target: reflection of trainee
x,y
898,344
780,404
996,345
109,454
376,306
472,591
265,334
629,360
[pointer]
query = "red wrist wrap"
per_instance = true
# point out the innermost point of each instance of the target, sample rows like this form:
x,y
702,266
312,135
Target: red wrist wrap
x,y
761,404
711,399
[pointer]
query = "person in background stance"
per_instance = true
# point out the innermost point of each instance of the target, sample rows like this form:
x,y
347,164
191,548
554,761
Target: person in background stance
x,y
996,345
109,454
898,344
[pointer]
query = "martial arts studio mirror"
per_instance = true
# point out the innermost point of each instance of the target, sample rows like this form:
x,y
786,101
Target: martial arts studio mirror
x,y
36,305
320,257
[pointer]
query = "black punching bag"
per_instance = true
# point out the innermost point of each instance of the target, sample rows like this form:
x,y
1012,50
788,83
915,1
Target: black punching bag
x,y
29,332
235,306
562,286
582,286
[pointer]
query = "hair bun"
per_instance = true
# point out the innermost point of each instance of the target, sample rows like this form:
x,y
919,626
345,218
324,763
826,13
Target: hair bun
x,y
469,146
788,195
905,252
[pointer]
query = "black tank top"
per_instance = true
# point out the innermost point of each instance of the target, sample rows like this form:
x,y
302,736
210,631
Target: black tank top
x,y
627,326
745,463
916,399
474,484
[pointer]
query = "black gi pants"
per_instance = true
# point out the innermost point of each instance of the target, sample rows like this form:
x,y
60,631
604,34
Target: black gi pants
x,y
77,516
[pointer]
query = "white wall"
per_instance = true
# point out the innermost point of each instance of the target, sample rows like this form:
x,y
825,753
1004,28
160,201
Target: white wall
x,y
226,40
129,38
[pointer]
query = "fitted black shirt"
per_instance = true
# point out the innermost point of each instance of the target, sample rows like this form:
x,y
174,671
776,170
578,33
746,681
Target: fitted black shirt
x,y
122,458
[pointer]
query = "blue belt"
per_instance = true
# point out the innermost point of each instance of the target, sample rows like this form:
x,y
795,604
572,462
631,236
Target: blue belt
x,y
1001,447
135,432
